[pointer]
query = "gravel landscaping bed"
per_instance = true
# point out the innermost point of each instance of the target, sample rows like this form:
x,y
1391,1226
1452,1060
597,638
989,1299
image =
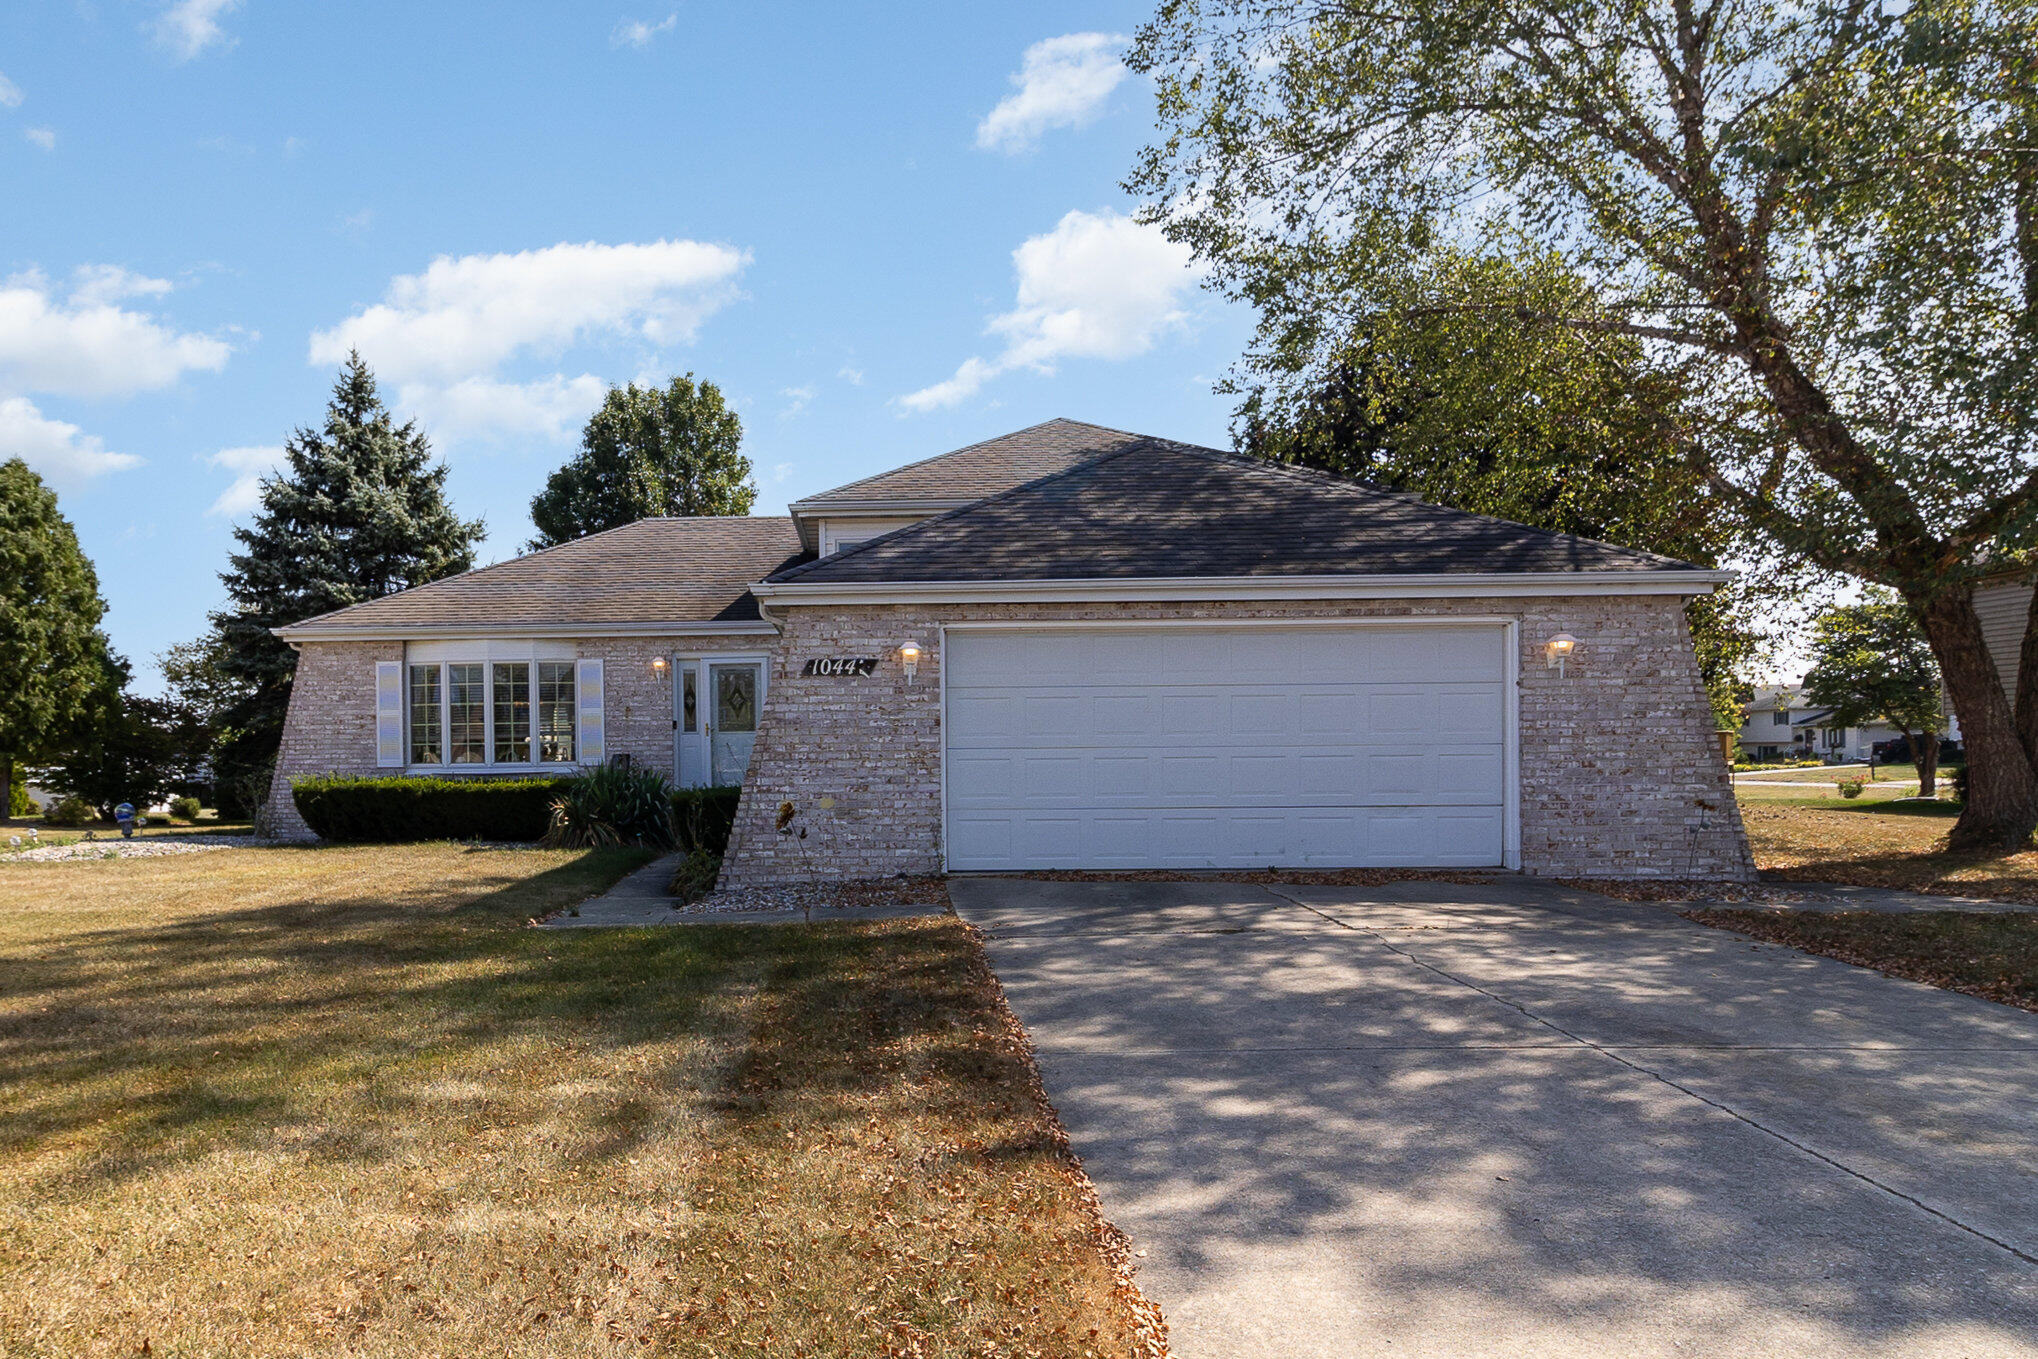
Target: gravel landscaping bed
x,y
147,848
825,896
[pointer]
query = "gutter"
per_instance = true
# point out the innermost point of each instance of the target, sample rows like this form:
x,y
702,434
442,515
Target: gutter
x,y
1455,585
302,632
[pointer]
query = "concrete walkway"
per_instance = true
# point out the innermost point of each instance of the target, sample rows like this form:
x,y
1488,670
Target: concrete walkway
x,y
1517,1120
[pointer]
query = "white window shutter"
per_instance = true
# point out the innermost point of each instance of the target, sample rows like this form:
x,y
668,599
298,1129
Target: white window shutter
x,y
587,693
389,714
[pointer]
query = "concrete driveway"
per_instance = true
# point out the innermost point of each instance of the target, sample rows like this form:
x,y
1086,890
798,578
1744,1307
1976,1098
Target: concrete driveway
x,y
1511,1119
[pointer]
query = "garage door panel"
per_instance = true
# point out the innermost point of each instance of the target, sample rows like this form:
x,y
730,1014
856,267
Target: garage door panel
x,y
1226,747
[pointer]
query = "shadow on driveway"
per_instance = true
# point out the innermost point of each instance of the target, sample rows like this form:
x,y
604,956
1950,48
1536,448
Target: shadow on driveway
x,y
1514,1119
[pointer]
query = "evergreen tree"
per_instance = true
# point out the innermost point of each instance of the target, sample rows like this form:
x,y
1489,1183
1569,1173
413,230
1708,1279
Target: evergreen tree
x,y
54,663
648,452
358,511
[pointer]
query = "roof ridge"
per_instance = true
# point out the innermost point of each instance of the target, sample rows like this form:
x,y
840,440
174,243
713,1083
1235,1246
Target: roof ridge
x,y
1317,474
953,452
1142,440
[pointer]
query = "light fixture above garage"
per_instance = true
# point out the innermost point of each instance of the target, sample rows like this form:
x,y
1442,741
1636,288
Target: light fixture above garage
x,y
658,666
909,657
1558,650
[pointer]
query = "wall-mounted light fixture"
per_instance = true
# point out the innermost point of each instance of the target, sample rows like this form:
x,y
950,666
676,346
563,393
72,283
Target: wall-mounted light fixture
x,y
658,666
1558,650
909,657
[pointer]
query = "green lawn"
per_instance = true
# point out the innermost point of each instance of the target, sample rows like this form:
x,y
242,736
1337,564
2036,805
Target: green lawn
x,y
285,1102
1899,773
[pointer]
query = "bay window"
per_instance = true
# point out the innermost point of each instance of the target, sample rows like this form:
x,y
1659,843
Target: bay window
x,y
489,704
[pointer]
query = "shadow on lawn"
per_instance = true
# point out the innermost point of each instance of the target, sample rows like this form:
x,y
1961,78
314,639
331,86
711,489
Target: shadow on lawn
x,y
147,1045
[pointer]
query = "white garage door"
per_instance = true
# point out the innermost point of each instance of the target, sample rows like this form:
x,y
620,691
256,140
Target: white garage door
x,y
1227,747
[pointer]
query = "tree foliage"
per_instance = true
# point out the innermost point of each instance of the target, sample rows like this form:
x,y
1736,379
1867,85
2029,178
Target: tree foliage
x,y
648,451
54,663
1567,432
1822,217
1871,664
138,750
357,511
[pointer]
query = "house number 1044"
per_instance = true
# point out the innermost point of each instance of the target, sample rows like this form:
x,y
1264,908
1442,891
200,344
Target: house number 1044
x,y
841,665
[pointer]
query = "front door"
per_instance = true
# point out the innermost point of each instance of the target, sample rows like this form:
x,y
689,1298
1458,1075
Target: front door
x,y
732,718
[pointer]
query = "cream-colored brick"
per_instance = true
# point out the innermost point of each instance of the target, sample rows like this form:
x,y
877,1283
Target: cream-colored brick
x,y
1620,773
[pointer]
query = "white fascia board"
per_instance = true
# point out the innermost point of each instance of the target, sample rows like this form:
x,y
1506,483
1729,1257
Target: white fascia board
x,y
1452,586
313,632
851,509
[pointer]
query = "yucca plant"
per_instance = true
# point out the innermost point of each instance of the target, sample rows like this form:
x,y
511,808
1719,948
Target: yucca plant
x,y
613,805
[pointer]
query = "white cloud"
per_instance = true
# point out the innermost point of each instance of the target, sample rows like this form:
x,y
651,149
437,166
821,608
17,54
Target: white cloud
x,y
796,399
1098,286
639,33
100,284
10,94
465,315
84,345
42,137
55,448
188,27
250,465
852,376
483,408
781,472
1063,82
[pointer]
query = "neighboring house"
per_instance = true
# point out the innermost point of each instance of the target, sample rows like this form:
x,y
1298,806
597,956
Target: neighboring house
x,y
1071,647
1778,724
2004,608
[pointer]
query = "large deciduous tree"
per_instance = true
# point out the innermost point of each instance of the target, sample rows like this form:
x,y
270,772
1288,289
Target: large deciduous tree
x,y
1871,664
54,664
648,451
357,511
1822,217
1568,432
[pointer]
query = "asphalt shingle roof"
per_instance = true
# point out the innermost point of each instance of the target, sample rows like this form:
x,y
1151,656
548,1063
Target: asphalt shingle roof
x,y
981,469
696,570
1153,507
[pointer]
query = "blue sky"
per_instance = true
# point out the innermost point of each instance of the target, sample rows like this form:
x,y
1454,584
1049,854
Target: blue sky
x,y
885,231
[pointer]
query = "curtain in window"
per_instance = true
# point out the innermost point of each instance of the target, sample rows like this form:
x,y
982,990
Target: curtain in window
x,y
555,712
424,714
466,714
512,712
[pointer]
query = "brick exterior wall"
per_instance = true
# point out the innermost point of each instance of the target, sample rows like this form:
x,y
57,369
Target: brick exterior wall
x,y
330,728
1621,775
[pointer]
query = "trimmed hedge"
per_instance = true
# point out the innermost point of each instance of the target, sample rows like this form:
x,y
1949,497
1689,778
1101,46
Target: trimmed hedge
x,y
357,810
704,817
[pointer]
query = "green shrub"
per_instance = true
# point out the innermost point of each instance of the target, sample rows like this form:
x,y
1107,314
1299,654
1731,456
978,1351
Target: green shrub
x,y
185,808
1852,787
614,805
1956,774
19,803
696,875
71,812
704,817
387,809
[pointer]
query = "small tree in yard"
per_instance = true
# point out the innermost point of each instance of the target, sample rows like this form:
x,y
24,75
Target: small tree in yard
x,y
54,665
1821,220
1871,664
648,452
358,511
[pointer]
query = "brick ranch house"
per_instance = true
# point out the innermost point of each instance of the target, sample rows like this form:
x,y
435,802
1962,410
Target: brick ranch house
x,y
1071,647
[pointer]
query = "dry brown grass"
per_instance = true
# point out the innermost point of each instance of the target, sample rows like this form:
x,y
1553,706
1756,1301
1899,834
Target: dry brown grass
x,y
1993,955
1881,846
267,1103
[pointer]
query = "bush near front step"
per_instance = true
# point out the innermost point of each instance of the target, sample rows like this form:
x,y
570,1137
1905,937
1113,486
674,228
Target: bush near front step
x,y
704,817
346,808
